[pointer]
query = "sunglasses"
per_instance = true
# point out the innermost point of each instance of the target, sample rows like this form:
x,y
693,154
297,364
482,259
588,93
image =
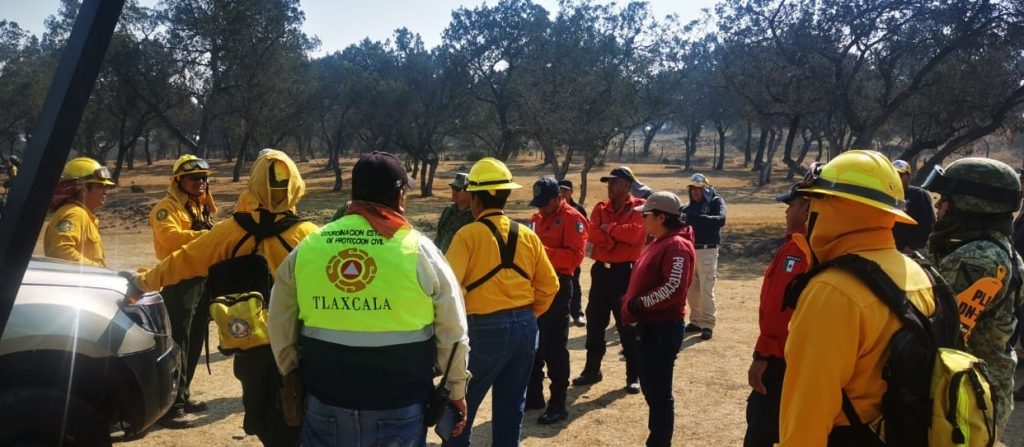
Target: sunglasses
x,y
194,165
197,177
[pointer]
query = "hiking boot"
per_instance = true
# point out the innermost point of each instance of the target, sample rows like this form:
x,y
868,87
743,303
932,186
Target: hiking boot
x,y
580,321
633,387
587,378
705,334
175,419
554,414
195,406
691,328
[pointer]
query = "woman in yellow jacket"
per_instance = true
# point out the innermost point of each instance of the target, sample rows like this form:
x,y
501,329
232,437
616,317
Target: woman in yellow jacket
x,y
73,233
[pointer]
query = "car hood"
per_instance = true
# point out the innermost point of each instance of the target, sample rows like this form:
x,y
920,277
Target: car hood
x,y
55,272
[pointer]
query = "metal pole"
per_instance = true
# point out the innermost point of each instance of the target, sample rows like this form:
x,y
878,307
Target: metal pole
x,y
54,133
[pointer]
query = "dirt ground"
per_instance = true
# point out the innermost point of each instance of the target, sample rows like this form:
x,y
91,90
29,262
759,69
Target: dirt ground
x,y
710,376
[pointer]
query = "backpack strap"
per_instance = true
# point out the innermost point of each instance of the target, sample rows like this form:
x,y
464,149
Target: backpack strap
x,y
507,250
266,227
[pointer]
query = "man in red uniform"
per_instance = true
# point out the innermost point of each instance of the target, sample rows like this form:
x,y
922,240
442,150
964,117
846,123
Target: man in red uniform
x,y
655,306
563,231
617,234
769,367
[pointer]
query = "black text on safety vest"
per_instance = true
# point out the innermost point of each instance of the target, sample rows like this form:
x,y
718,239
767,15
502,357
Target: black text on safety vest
x,y
350,303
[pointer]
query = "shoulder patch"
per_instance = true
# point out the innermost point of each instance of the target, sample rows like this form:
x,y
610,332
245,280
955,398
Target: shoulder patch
x,y
161,214
64,226
790,263
579,226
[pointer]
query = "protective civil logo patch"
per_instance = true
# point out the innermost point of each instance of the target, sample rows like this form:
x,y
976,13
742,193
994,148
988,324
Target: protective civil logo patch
x,y
64,226
161,215
791,262
579,227
239,328
351,270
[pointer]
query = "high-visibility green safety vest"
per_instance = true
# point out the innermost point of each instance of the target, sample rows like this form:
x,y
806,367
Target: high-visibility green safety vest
x,y
358,288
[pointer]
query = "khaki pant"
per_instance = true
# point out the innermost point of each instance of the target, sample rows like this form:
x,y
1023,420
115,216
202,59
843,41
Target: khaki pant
x,y
701,296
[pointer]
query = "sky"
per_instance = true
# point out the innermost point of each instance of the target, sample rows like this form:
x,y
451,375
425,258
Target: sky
x,y
339,23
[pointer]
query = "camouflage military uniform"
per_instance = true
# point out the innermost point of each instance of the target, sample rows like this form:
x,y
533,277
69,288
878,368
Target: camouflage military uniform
x,y
961,268
971,241
451,220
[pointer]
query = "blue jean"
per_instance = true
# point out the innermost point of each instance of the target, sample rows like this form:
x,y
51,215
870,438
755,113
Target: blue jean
x,y
502,347
324,425
657,347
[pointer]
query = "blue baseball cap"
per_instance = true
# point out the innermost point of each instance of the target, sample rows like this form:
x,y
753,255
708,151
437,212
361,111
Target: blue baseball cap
x,y
544,189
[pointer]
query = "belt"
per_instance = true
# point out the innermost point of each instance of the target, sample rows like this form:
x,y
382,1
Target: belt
x,y
502,311
703,246
609,265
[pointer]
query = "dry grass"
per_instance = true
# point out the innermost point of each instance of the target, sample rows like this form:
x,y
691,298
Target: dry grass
x,y
710,377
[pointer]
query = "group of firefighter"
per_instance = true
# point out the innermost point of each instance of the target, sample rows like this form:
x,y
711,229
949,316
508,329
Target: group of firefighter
x,y
366,311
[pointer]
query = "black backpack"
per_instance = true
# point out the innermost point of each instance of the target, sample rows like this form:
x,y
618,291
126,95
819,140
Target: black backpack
x,y
907,404
244,282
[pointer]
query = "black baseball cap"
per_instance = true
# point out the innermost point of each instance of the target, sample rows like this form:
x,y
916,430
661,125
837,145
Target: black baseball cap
x,y
567,184
379,171
544,189
788,196
622,172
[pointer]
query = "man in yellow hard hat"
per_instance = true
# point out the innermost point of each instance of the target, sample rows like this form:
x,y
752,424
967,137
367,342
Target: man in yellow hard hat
x,y
73,233
277,187
840,331
180,217
508,282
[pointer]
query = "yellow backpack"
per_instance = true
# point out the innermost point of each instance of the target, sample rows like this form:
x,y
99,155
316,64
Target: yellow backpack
x,y
239,287
962,409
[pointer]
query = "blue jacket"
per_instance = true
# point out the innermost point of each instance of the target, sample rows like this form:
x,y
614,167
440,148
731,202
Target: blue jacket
x,y
707,217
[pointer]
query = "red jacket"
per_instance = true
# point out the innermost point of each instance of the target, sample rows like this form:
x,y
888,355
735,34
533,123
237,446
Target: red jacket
x,y
564,234
660,279
625,236
789,261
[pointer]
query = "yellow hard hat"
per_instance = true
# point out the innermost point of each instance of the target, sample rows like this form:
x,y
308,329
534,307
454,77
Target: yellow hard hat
x,y
489,174
190,164
863,176
87,170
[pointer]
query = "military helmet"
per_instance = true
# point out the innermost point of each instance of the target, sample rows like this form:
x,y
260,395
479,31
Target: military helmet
x,y
863,176
977,184
87,170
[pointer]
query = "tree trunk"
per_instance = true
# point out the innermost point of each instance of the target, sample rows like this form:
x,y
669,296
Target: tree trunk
x,y
766,173
720,164
746,146
759,160
237,175
427,176
588,164
649,135
335,165
804,149
145,147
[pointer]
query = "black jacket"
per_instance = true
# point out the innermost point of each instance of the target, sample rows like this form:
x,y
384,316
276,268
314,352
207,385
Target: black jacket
x,y
919,206
707,218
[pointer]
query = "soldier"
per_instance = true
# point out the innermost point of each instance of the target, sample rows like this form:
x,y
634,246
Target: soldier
x,y
973,252
576,303
180,217
455,215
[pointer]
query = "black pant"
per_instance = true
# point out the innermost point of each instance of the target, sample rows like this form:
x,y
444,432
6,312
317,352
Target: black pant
x,y
553,349
576,302
657,346
261,387
607,285
190,319
763,409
